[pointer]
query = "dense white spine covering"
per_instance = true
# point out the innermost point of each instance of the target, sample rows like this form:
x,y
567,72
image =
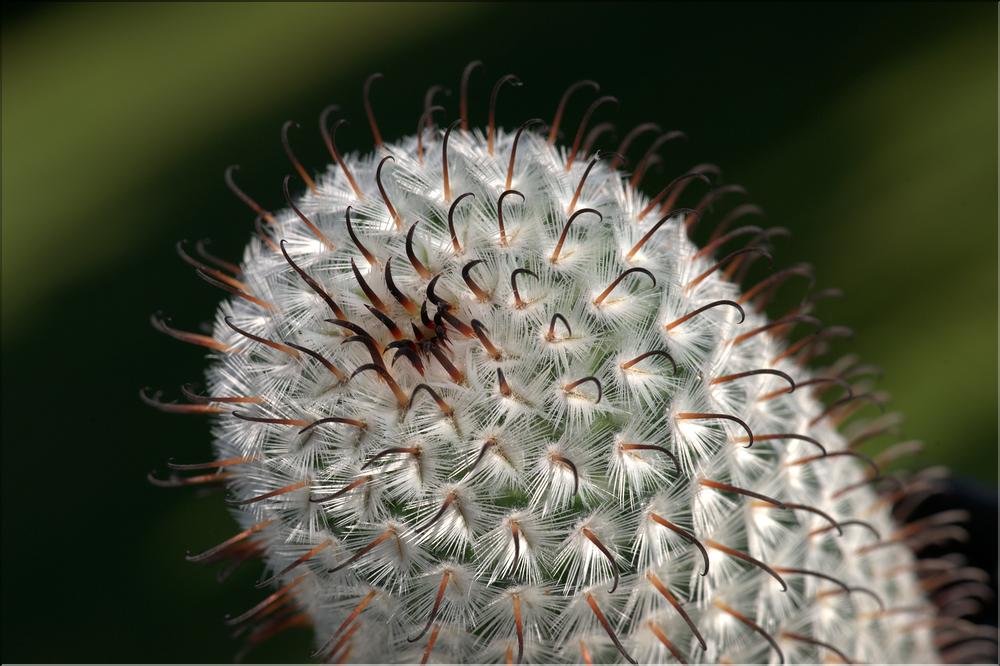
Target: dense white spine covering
x,y
495,525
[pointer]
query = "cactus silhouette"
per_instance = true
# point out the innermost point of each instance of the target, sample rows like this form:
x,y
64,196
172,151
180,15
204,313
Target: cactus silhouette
x,y
478,398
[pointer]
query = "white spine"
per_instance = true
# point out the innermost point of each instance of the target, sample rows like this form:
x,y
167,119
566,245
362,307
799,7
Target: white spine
x,y
516,519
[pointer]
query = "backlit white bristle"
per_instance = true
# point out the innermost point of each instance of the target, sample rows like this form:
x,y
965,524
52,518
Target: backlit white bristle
x,y
474,403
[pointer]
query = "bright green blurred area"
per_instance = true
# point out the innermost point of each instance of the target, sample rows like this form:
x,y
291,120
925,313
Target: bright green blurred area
x,y
867,129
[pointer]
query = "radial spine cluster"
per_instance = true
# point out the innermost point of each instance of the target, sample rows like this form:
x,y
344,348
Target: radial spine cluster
x,y
479,399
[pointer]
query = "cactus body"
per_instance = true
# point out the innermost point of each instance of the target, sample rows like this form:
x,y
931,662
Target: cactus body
x,y
479,403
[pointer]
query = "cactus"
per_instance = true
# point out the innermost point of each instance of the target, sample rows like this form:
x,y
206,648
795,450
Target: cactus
x,y
479,398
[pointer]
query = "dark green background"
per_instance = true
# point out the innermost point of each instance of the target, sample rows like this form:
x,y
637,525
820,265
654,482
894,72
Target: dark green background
x,y
870,130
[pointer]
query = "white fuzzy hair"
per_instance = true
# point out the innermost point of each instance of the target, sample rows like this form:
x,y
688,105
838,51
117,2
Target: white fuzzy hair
x,y
538,497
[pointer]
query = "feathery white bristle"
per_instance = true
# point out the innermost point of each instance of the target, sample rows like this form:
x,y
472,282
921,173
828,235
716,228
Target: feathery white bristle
x,y
544,453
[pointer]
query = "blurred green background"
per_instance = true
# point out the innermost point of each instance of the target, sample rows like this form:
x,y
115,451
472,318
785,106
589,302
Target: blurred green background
x,y
868,129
